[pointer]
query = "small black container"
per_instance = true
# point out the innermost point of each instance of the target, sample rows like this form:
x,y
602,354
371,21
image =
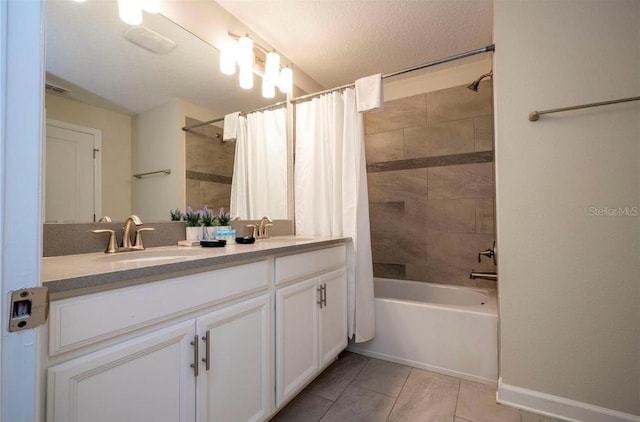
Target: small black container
x,y
246,240
213,243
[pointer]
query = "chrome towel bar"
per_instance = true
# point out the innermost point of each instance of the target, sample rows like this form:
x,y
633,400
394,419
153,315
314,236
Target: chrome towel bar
x,y
139,175
535,115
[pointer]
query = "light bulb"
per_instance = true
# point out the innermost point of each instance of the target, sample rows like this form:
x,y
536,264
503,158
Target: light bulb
x,y
272,68
285,82
151,6
246,77
228,58
268,88
245,52
130,11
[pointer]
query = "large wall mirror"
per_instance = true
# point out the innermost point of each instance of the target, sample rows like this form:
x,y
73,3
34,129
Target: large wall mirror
x,y
116,101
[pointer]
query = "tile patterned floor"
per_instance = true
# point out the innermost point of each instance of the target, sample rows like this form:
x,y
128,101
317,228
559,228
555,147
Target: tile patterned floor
x,y
357,388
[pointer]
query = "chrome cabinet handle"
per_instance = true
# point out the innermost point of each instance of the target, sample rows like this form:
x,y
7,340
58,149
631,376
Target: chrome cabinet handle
x,y
320,300
207,351
324,294
194,365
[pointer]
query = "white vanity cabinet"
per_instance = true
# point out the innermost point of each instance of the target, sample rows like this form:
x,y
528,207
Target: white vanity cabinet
x,y
223,344
235,383
152,377
143,379
311,317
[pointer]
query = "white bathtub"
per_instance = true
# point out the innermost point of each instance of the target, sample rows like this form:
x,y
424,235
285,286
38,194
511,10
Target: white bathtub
x,y
452,330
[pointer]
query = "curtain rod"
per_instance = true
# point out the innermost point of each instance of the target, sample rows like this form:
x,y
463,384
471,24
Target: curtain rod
x,y
486,49
244,113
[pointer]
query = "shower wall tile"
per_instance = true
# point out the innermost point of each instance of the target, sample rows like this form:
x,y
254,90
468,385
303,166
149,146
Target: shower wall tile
x,y
485,216
386,216
431,186
483,133
209,155
452,215
397,114
455,255
439,139
398,185
396,271
384,146
214,195
459,103
463,181
388,248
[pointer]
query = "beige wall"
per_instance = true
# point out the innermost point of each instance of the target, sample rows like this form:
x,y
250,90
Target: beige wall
x,y
116,149
159,143
437,78
569,280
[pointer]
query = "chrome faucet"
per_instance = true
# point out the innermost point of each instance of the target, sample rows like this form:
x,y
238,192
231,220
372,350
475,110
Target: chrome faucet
x,y
126,245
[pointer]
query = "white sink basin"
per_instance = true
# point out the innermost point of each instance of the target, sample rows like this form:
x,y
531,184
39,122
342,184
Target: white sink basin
x,y
152,255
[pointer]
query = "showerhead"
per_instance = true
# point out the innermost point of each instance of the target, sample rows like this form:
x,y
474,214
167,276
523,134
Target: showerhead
x,y
474,85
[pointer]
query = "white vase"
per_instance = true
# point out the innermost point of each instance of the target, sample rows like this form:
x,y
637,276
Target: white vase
x,y
194,233
209,232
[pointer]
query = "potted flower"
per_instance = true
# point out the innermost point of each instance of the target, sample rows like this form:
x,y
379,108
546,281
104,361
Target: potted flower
x,y
209,221
193,220
176,215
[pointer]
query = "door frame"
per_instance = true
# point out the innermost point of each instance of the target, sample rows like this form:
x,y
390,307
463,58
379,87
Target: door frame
x,y
97,162
21,140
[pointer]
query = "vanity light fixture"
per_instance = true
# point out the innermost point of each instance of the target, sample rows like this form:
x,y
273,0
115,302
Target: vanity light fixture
x,y
241,52
130,11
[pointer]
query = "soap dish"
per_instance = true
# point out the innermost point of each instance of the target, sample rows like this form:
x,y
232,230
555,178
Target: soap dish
x,y
246,240
213,243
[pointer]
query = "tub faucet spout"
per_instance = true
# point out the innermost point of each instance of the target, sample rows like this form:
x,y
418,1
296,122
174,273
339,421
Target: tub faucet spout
x,y
484,275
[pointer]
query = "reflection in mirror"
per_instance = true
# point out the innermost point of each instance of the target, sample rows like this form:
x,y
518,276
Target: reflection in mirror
x,y
137,101
209,166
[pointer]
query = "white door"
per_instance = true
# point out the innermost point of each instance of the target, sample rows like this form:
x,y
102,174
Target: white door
x,y
72,176
333,315
148,378
296,336
237,384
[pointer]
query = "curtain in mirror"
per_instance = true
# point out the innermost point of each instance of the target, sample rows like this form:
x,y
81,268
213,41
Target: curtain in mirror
x,y
259,184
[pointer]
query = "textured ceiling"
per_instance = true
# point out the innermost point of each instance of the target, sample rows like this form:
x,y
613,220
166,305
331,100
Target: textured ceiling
x,y
338,41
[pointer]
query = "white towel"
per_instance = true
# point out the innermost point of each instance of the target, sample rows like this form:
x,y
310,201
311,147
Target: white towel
x,y
369,93
230,128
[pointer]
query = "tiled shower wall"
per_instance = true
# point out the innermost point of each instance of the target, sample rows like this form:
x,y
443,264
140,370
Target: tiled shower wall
x,y
209,167
431,185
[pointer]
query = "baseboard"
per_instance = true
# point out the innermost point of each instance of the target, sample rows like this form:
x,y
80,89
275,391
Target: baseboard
x,y
558,407
444,371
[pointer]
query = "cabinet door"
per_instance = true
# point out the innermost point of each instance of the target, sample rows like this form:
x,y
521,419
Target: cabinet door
x,y
333,315
145,379
237,385
296,336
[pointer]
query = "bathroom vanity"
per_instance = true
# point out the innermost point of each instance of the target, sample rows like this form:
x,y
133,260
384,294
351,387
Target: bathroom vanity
x,y
182,334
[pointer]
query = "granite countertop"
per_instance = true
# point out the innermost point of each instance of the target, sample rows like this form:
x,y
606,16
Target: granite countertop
x,y
63,274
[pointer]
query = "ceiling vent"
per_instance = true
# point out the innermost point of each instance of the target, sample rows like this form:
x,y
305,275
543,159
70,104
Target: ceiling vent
x,y
56,88
149,40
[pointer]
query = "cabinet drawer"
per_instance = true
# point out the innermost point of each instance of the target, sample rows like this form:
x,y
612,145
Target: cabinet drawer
x,y
79,321
305,264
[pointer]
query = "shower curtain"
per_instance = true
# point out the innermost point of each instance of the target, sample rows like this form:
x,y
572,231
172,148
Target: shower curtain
x,y
331,193
259,183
